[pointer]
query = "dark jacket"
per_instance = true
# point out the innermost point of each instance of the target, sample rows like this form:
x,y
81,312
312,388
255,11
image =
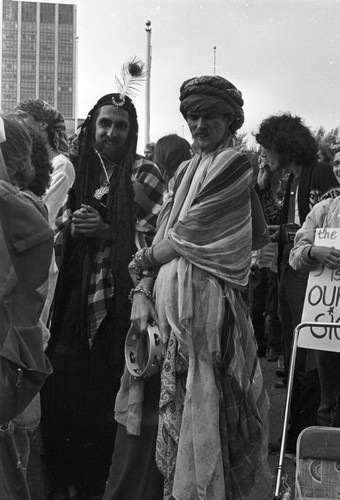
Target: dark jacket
x,y
317,182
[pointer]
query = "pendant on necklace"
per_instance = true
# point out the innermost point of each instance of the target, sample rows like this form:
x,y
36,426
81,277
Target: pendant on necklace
x,y
100,192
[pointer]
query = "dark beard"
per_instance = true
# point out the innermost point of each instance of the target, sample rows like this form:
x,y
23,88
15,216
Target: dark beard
x,y
111,151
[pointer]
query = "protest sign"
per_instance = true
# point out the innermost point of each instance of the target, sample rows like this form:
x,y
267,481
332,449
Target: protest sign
x,y
322,299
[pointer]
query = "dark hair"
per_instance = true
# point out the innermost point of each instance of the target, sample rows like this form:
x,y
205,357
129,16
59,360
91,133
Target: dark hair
x,y
289,137
89,168
133,132
87,130
16,149
120,212
42,111
41,162
170,151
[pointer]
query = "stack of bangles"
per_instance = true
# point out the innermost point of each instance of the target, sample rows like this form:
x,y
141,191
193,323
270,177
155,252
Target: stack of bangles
x,y
145,266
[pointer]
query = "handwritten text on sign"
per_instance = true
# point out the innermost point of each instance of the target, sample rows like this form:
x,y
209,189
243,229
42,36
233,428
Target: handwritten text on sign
x,y
322,299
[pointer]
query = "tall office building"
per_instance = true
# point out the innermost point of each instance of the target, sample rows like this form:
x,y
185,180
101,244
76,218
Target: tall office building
x,y
38,53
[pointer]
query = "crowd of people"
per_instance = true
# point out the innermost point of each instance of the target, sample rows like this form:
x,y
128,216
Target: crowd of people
x,y
203,242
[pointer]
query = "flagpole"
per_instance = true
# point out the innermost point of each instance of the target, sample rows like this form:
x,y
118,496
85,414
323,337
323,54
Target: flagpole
x,y
148,76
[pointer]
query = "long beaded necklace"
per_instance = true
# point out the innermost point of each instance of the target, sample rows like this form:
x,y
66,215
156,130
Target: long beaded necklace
x,y
105,187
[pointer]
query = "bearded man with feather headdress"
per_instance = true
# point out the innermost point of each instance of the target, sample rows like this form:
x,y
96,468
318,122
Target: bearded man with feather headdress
x,y
110,213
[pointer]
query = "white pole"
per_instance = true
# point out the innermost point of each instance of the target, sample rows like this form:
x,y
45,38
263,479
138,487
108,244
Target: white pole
x,y
148,76
214,61
76,84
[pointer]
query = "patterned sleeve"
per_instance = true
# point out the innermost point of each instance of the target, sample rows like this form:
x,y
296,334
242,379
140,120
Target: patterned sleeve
x,y
149,188
270,205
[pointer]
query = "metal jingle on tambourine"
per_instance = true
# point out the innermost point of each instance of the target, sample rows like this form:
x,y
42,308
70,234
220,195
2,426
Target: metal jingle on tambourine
x,y
143,351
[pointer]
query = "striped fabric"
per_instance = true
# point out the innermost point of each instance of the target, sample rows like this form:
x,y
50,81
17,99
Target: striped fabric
x,y
210,219
43,111
147,175
213,427
213,412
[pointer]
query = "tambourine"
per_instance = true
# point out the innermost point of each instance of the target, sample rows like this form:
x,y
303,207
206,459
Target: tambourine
x,y
143,351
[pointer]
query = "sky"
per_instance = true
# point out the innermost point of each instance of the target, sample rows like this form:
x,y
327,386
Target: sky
x,y
284,56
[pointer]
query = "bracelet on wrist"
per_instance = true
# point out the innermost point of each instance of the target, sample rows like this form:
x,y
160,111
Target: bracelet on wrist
x,y
309,254
147,273
149,261
140,289
307,259
138,261
144,259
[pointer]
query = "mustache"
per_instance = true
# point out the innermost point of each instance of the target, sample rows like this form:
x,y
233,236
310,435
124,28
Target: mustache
x,y
107,141
200,131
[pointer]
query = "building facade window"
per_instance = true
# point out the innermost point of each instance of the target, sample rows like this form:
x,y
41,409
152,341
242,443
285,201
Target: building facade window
x,y
52,77
29,12
47,13
65,14
10,11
